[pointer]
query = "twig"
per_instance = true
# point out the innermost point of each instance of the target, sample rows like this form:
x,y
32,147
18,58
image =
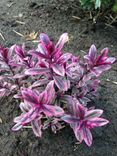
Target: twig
x,y
2,36
18,33
108,25
9,5
76,17
20,22
90,15
76,146
83,51
114,82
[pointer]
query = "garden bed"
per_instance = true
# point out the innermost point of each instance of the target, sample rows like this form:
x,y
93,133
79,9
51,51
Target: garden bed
x,y
20,18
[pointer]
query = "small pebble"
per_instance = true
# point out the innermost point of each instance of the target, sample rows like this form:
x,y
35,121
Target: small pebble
x,y
0,120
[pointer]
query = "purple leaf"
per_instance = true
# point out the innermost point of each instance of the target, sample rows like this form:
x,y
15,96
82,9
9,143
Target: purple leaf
x,y
19,76
2,92
42,50
17,127
50,92
79,134
91,114
36,126
110,60
58,69
64,58
44,39
42,98
102,58
18,119
37,71
39,54
91,57
63,39
61,83
30,96
69,119
20,51
98,70
87,136
24,107
50,110
98,122
80,110
30,116
39,83
92,53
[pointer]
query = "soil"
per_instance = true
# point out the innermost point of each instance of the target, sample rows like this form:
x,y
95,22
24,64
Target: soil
x,y
55,17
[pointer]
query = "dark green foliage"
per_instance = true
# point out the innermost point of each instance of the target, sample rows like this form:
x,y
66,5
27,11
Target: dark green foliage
x,y
115,7
97,4
87,4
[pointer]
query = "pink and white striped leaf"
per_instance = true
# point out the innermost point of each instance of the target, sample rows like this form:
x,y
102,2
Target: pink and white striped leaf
x,y
50,110
91,114
63,39
87,136
37,71
58,69
36,126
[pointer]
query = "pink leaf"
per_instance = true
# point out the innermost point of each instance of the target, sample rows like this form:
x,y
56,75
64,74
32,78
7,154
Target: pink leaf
x,y
69,119
30,116
110,60
87,136
58,69
30,96
20,51
91,57
98,70
61,83
37,71
39,83
50,92
92,53
98,122
36,53
79,134
63,39
19,76
93,114
80,110
17,127
64,58
102,58
18,119
42,98
42,49
2,92
24,107
50,110
36,126
44,38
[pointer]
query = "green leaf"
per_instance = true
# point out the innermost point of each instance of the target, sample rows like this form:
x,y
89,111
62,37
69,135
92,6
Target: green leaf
x,y
97,4
115,7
